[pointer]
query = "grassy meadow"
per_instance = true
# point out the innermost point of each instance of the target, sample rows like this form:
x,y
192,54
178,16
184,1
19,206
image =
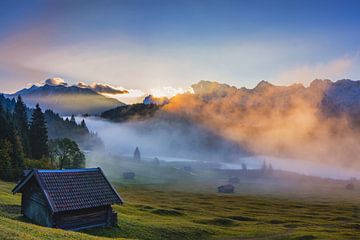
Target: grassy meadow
x,y
161,212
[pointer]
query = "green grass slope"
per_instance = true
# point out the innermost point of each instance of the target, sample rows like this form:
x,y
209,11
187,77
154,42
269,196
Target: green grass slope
x,y
154,213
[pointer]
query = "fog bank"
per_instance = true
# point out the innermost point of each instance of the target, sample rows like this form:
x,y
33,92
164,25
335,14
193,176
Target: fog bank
x,y
184,143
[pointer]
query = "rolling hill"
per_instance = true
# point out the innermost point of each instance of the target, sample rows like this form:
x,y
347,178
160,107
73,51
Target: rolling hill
x,y
155,212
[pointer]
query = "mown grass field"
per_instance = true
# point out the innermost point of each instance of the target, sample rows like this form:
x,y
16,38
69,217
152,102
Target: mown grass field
x,y
154,212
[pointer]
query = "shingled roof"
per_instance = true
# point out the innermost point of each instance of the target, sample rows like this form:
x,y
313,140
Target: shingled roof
x,y
73,189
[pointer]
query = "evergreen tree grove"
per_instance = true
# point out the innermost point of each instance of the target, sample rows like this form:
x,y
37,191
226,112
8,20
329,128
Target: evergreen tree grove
x,y
24,145
11,151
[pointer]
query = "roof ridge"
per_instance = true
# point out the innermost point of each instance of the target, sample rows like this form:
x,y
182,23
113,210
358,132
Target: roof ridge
x,y
44,189
111,186
68,170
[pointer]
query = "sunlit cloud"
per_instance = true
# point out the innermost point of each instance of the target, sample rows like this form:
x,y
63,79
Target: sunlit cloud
x,y
55,82
169,91
103,88
137,95
132,96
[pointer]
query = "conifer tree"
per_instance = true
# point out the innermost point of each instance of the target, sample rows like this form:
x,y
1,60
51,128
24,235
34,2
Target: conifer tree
x,y
137,155
17,153
83,125
38,135
72,119
3,124
5,160
21,121
5,147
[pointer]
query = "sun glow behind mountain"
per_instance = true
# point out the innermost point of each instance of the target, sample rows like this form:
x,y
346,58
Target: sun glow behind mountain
x,y
137,95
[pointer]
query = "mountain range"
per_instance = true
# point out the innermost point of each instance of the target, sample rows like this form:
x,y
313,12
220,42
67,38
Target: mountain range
x,y
331,98
320,122
67,100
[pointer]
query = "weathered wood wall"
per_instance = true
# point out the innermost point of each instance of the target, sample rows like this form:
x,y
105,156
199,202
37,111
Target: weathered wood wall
x,y
35,206
82,219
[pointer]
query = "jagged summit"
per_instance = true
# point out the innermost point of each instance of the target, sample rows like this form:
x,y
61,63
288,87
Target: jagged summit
x,y
208,87
263,84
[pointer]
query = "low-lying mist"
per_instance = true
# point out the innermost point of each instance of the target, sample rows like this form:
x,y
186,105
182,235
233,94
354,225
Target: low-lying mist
x,y
284,122
294,128
166,138
184,142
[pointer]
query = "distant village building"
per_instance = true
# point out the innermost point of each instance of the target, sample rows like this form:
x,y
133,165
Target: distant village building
x,y
187,168
74,199
137,155
228,188
129,175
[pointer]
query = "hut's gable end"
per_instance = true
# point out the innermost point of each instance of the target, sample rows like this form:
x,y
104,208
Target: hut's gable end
x,y
34,204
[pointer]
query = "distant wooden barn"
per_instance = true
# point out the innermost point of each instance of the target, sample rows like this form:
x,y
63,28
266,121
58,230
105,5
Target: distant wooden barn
x,y
228,188
68,199
187,168
129,175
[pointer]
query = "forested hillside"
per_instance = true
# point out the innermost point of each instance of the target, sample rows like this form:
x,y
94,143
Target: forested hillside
x,y
60,128
137,111
68,128
43,140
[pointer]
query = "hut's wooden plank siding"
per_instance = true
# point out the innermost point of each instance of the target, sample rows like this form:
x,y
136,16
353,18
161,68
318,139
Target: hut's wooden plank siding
x,y
82,218
35,207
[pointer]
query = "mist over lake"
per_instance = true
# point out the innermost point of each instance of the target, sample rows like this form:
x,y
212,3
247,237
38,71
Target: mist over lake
x,y
122,138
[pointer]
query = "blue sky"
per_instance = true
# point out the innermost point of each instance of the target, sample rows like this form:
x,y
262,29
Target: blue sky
x,y
152,44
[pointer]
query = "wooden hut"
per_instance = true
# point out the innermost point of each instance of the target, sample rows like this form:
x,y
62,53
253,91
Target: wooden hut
x,y
129,175
73,199
228,188
187,168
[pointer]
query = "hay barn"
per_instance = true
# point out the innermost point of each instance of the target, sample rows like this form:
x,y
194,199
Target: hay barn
x,y
73,199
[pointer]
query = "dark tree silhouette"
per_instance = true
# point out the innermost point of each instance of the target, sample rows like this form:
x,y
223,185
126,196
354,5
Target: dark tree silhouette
x,y
65,153
243,166
11,156
72,119
137,155
83,125
5,160
21,121
38,135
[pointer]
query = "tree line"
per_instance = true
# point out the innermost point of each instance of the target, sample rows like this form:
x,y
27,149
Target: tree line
x,y
24,143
